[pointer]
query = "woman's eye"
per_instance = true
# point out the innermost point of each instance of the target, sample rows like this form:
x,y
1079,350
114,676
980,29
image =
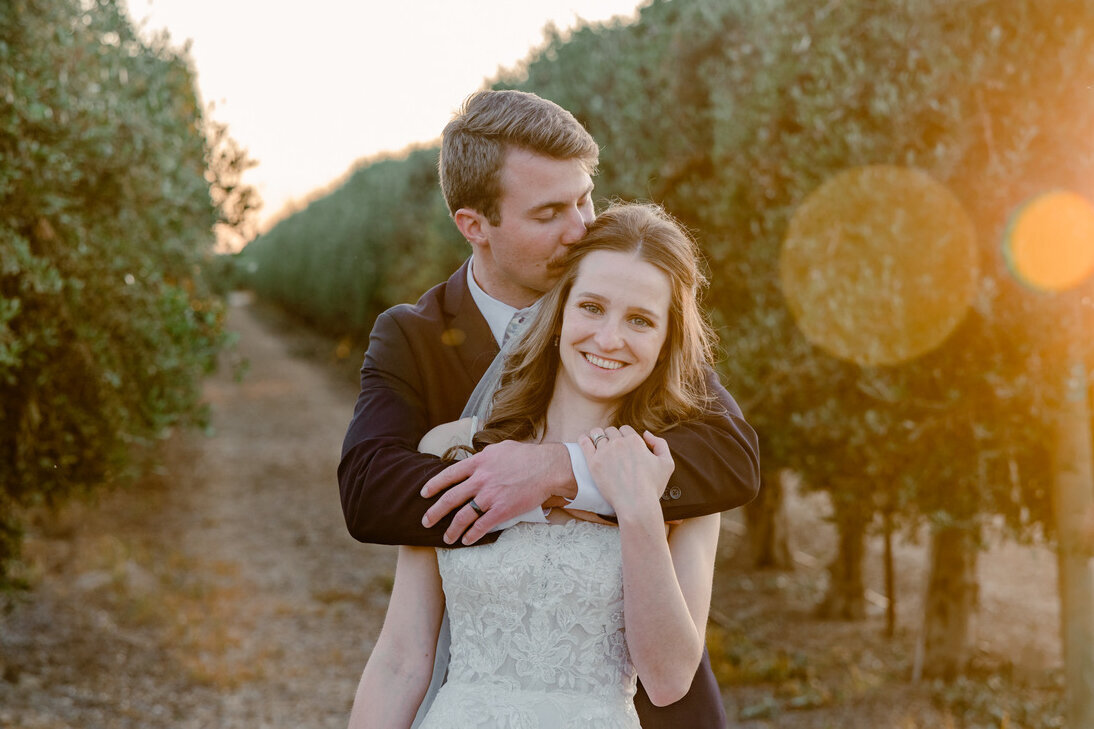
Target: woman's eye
x,y
640,321
591,308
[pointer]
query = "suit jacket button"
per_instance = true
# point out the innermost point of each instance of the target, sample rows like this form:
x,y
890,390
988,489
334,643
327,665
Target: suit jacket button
x,y
675,492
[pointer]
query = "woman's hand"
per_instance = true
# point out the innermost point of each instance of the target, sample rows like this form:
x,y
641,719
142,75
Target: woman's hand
x,y
630,470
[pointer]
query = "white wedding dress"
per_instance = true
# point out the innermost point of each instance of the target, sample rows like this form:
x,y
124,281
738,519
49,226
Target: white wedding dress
x,y
537,632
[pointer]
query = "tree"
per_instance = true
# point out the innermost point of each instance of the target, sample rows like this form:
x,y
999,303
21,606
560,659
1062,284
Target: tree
x,y
732,113
740,110
343,259
106,326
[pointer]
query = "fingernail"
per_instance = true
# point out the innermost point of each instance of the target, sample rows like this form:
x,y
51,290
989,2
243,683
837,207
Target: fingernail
x,y
425,521
422,492
447,539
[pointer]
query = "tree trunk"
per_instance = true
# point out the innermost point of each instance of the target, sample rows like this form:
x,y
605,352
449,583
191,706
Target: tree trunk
x,y
769,524
846,597
950,604
1073,492
890,575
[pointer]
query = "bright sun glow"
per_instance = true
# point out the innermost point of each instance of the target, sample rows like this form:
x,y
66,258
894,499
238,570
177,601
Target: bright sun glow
x,y
1050,243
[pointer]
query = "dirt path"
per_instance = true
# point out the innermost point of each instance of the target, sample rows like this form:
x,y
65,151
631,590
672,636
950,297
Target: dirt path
x,y
224,591
229,594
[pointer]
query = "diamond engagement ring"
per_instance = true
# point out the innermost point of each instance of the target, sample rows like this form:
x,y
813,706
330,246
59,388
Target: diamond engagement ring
x,y
476,508
597,438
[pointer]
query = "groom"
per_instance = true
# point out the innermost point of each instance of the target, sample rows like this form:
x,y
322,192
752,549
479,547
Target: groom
x,y
516,171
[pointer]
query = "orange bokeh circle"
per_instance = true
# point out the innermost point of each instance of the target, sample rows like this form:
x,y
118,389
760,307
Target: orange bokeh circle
x,y
1049,245
879,264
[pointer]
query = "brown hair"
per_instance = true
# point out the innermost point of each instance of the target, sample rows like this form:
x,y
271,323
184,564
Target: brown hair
x,y
488,124
676,389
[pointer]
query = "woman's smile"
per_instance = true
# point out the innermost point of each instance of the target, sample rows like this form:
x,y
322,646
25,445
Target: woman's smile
x,y
603,363
614,325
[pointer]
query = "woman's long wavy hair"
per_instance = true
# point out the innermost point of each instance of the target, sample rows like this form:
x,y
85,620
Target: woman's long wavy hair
x,y
676,389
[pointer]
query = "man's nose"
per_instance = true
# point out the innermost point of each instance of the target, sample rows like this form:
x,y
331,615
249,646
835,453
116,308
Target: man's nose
x,y
577,221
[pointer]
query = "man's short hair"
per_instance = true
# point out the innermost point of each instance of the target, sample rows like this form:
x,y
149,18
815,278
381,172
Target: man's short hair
x,y
488,124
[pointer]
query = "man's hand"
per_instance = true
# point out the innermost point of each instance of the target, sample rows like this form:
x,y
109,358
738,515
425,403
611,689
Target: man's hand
x,y
505,480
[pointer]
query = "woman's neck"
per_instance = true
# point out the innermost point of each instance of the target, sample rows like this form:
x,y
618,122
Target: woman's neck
x,y
570,415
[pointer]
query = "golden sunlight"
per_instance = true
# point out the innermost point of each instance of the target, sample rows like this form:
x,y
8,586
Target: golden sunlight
x,y
879,265
1049,244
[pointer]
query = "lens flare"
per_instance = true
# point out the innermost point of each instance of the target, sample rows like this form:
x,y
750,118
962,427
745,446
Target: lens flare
x,y
1049,245
879,265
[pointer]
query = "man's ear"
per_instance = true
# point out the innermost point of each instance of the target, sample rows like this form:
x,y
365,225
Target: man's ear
x,y
473,226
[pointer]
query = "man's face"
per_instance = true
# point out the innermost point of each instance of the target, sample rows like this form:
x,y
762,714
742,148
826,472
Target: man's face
x,y
545,205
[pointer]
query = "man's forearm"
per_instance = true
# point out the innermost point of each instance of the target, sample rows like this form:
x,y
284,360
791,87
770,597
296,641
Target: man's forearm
x,y
381,503
506,480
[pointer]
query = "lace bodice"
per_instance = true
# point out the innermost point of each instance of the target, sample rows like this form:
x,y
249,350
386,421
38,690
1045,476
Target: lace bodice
x,y
537,632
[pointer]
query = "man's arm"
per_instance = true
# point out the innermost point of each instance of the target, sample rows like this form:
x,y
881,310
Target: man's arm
x,y
506,480
717,468
717,460
381,471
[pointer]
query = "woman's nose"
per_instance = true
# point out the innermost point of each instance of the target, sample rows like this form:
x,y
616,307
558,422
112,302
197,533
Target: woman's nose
x,y
607,336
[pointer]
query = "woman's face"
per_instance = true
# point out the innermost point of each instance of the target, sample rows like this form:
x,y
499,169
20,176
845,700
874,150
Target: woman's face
x,y
614,324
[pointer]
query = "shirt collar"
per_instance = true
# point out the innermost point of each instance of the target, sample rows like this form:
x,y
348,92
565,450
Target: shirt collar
x,y
497,313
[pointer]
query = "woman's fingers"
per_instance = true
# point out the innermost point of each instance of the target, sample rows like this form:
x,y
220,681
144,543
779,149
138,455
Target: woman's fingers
x,y
658,445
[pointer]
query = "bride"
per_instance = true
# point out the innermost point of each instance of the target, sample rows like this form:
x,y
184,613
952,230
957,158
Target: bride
x,y
553,623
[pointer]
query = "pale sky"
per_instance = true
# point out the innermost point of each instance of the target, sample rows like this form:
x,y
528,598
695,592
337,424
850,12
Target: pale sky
x,y
309,88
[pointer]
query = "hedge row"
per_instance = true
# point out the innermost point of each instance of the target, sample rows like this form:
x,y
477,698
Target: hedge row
x,y
106,217
730,112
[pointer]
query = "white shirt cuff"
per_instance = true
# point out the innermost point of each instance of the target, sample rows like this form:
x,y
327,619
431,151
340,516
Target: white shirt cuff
x,y
537,515
588,496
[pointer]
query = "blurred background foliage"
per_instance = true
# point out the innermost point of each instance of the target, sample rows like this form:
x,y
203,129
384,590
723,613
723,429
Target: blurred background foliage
x,y
731,112
728,112
111,182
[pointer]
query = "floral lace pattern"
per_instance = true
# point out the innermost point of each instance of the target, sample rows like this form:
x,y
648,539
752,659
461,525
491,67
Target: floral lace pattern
x,y
537,632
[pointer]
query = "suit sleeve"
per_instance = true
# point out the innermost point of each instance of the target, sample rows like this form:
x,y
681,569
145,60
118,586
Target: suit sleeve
x,y
381,471
717,460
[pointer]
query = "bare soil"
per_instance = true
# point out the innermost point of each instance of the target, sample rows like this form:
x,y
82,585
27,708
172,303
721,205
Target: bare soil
x,y
224,591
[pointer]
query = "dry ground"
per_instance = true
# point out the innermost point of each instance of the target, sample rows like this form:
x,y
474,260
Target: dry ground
x,y
223,591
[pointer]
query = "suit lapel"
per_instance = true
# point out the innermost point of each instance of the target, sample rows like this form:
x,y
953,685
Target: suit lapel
x,y
467,330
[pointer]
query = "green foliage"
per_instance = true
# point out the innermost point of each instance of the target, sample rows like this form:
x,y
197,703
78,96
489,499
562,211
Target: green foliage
x,y
731,112
106,325
381,238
